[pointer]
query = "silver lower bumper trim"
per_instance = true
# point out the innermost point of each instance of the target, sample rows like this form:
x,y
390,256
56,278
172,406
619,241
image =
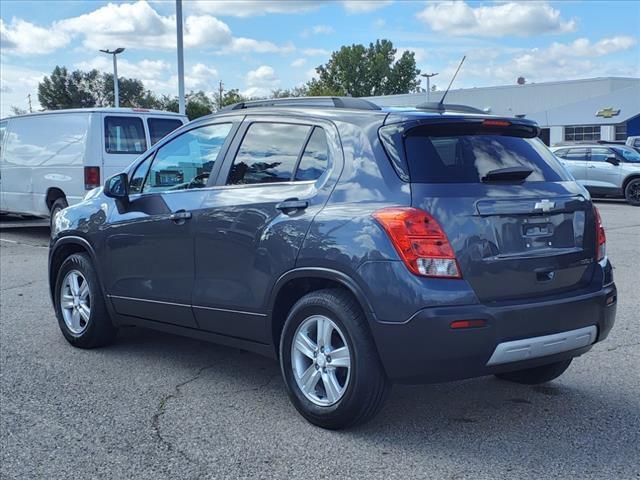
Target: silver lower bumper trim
x,y
536,347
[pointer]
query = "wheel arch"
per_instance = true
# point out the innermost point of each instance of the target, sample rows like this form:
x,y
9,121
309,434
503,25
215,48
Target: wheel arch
x,y
633,176
291,286
53,194
63,248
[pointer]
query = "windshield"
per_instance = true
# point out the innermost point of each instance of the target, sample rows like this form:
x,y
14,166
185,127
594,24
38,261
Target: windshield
x,y
628,154
468,158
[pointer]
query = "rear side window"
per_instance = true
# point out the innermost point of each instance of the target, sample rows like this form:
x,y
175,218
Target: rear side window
x,y
268,153
161,127
124,135
468,158
315,157
577,155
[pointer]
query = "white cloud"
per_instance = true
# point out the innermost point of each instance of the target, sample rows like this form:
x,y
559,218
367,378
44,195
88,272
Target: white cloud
x,y
364,6
250,8
520,19
299,62
420,54
24,38
316,52
16,83
317,30
261,81
379,23
245,45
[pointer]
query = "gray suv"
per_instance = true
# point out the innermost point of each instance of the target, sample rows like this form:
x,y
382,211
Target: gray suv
x,y
357,246
607,170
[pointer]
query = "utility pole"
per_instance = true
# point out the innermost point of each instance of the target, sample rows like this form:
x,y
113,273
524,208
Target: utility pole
x,y
221,89
181,102
116,93
29,98
428,77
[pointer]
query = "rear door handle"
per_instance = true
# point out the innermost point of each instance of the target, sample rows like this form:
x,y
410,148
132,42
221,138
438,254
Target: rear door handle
x,y
291,205
180,216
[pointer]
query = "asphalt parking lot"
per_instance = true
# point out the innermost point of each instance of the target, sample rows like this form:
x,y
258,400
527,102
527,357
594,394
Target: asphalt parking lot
x,y
158,406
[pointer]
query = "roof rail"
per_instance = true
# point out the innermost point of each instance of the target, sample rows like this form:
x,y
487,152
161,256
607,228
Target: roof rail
x,y
332,102
449,107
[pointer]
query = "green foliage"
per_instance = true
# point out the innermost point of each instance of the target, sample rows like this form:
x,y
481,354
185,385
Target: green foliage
x,y
362,71
302,91
230,97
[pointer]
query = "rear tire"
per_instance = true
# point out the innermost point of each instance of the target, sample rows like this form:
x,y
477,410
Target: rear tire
x,y
79,304
342,391
632,192
58,205
536,375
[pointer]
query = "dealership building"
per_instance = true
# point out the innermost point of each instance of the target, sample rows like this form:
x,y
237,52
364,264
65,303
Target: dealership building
x,y
606,108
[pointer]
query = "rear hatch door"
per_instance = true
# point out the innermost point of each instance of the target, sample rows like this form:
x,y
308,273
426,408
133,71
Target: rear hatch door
x,y
520,227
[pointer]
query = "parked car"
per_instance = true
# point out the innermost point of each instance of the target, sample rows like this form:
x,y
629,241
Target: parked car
x,y
606,170
358,246
49,160
633,142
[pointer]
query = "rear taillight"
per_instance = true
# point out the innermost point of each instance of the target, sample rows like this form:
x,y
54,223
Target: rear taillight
x,y
601,237
91,177
420,242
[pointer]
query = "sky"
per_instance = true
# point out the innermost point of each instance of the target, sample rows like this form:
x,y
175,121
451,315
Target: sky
x,y
259,45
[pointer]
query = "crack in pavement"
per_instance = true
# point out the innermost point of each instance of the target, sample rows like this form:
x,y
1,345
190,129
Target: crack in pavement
x,y
21,285
162,408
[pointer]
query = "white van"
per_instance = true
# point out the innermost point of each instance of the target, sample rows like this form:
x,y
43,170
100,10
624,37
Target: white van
x,y
49,160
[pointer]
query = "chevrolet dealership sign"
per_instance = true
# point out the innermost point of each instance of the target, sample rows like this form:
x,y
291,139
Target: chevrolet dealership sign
x,y
607,112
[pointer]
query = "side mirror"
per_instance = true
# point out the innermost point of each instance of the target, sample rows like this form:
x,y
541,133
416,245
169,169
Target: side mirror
x,y
613,160
117,187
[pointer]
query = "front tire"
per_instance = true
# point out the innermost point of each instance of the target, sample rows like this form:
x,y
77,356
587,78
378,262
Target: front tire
x,y
537,375
329,362
57,206
632,192
79,304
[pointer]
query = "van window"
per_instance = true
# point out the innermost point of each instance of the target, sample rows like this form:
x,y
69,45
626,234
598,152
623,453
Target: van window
x,y
187,160
268,153
315,157
161,127
468,158
124,135
48,140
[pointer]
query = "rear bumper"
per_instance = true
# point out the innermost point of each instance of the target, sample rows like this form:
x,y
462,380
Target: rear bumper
x,y
426,349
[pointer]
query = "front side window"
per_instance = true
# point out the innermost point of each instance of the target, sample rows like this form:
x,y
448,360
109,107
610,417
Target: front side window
x,y
628,154
315,157
600,154
186,161
124,135
268,153
161,127
137,178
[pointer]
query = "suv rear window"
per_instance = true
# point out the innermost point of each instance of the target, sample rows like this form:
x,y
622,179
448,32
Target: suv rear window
x,y
124,135
468,158
161,127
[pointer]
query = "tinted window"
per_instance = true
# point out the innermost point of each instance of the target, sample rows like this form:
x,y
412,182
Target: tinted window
x,y
468,158
187,160
600,154
137,179
561,153
628,154
315,157
268,153
577,154
161,127
124,135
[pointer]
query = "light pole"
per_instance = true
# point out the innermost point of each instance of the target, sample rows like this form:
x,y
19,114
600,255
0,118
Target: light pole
x,y
428,77
115,74
181,101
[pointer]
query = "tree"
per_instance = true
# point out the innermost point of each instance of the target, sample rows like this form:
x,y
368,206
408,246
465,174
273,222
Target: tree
x,y
197,104
230,97
301,91
361,71
17,110
78,89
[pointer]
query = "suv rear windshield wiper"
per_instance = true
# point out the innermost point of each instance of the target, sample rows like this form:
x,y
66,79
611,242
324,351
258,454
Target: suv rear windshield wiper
x,y
513,174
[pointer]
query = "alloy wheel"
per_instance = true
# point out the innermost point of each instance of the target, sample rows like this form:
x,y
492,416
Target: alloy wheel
x,y
321,360
75,302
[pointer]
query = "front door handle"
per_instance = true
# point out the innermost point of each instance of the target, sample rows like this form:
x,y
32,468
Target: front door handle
x,y
180,216
291,205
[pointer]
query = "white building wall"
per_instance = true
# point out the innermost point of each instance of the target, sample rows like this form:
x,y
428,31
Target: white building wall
x,y
556,135
607,132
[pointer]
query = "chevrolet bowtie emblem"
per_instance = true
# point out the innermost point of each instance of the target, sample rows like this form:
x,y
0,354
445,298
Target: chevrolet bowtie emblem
x,y
607,112
544,205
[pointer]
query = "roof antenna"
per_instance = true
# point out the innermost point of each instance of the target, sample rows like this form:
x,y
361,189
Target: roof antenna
x,y
441,102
